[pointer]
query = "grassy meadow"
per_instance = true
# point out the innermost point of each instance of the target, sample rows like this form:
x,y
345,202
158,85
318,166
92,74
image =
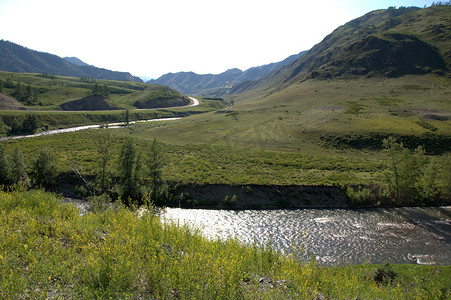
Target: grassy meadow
x,y
50,250
51,91
42,95
317,132
300,117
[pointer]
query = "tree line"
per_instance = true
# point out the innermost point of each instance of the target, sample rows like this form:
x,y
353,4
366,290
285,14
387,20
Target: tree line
x,y
27,125
136,174
410,178
13,171
21,92
140,170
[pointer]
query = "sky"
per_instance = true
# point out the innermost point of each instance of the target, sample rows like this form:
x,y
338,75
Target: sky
x,y
152,38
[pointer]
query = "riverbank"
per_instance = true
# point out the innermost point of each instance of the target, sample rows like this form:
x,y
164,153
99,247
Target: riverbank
x,y
222,196
243,197
49,250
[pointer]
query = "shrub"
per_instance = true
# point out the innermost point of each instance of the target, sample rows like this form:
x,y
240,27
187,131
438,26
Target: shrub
x,y
45,168
4,166
385,274
230,202
18,174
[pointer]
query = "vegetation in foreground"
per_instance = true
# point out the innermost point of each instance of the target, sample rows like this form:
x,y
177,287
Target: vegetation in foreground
x,y
49,250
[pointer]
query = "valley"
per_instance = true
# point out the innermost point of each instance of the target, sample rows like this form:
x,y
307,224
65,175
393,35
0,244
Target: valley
x,y
296,176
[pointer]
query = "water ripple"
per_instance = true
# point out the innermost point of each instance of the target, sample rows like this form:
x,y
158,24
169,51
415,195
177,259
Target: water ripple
x,y
336,236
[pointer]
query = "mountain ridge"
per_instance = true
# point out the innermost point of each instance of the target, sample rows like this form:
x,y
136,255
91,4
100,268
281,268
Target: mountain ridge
x,y
216,85
19,59
389,42
75,61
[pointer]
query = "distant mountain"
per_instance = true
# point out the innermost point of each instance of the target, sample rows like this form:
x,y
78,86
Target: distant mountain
x,y
390,43
15,58
75,61
215,85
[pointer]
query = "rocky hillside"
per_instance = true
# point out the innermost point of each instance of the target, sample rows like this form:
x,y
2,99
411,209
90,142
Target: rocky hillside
x,y
18,59
390,43
8,103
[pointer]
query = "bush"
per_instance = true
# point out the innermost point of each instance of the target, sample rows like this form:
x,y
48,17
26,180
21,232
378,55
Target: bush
x,y
18,174
44,168
385,274
230,202
4,166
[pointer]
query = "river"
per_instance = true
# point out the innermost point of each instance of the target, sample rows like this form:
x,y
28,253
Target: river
x,y
335,236
78,128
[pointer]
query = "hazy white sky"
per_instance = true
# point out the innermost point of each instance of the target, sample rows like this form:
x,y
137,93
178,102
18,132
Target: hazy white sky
x,y
151,38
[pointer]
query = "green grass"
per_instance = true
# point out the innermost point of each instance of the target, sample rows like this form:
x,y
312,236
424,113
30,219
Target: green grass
x,y
56,90
211,164
63,119
301,135
295,118
49,250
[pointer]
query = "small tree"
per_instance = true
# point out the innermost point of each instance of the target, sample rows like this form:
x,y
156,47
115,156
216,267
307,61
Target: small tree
x,y
15,127
126,116
45,168
406,171
3,128
392,152
18,172
30,124
130,171
104,149
4,166
155,163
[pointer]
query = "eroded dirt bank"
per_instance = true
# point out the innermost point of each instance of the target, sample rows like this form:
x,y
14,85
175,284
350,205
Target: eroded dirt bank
x,y
258,196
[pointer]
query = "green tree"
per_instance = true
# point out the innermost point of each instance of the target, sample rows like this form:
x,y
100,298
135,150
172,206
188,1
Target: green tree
x,y
4,166
392,152
407,171
3,128
126,117
104,144
9,82
16,128
30,124
45,168
155,163
19,91
130,171
18,173
411,167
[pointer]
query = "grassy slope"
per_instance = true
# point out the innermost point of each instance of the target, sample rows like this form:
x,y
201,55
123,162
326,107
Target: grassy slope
x,y
295,118
49,250
280,139
209,164
341,51
59,89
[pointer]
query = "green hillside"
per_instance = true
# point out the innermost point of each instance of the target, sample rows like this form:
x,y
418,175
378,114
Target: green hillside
x,y
390,43
19,59
339,96
311,130
49,92
59,101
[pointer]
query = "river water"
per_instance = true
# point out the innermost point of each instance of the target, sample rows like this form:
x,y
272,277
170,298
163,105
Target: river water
x,y
335,236
78,128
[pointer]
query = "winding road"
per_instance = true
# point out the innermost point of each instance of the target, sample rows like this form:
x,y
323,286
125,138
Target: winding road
x,y
111,125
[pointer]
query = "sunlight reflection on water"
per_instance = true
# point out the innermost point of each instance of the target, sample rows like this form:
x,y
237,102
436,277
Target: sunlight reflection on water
x,y
336,236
